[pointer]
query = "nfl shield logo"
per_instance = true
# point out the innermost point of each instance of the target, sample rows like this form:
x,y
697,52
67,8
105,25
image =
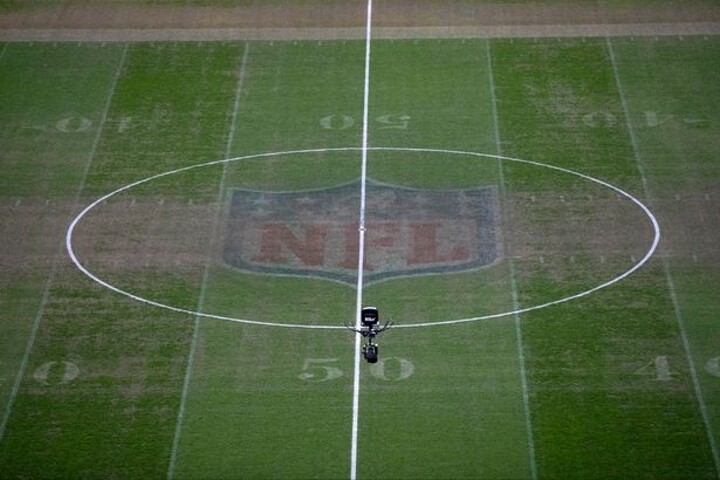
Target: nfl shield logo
x,y
408,231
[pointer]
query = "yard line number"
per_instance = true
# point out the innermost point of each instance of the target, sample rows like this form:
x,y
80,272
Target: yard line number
x,y
390,369
79,124
651,119
713,366
56,373
385,122
659,368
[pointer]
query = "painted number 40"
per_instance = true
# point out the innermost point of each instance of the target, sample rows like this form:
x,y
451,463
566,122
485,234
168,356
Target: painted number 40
x,y
659,368
391,369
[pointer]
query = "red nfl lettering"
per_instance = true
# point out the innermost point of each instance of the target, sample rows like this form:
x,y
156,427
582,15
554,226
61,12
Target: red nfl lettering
x,y
425,248
277,239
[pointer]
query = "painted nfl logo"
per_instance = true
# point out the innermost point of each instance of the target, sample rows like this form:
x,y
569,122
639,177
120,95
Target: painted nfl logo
x,y
409,231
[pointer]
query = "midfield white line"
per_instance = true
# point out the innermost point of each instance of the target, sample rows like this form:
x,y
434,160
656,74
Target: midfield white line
x,y
666,267
361,248
53,272
206,272
513,282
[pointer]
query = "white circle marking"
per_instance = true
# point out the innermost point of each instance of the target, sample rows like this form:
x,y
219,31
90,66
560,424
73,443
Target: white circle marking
x,y
626,273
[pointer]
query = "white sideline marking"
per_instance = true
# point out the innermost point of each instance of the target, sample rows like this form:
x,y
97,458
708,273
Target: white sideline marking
x,y
53,271
513,282
361,248
620,193
206,272
666,267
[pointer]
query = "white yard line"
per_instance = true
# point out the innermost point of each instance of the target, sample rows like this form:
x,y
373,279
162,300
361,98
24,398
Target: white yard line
x,y
666,267
361,248
206,272
53,271
513,282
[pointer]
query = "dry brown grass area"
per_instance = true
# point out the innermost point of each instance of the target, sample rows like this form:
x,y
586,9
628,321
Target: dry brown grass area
x,y
146,234
95,20
565,225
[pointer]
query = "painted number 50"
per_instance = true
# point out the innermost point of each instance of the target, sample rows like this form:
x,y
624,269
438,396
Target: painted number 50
x,y
320,370
323,369
384,122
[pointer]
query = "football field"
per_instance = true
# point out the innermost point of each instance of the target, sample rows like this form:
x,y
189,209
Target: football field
x,y
180,258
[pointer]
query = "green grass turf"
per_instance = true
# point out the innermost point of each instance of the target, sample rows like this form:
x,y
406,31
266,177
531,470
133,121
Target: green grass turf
x,y
610,389
44,90
259,358
682,171
605,420
118,419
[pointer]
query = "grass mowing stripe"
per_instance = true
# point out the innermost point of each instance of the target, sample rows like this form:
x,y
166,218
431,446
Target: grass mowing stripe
x,y
256,389
511,271
206,272
53,271
361,247
461,413
131,359
666,268
585,359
